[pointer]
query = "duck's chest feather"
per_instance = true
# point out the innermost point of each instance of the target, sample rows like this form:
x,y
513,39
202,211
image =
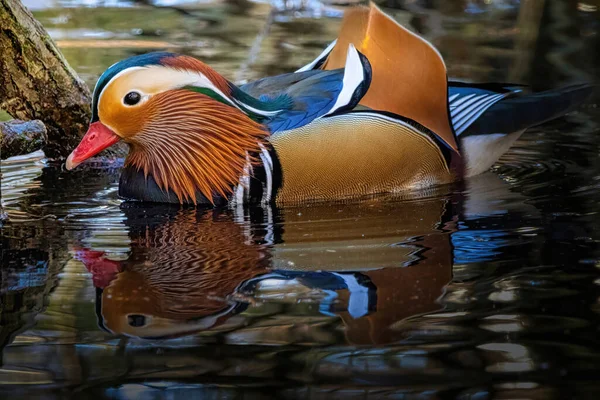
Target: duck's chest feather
x,y
134,186
262,183
357,154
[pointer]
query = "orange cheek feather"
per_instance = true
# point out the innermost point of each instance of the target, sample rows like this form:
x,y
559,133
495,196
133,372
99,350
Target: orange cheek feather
x,y
125,121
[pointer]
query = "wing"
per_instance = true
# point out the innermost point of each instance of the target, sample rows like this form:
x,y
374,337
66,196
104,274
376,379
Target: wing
x,y
409,75
273,86
491,124
311,95
467,102
513,111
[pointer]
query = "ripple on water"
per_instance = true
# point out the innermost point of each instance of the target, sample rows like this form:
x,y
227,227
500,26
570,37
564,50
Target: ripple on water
x,y
19,176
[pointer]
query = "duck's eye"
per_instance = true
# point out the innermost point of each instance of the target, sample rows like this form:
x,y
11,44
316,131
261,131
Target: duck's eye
x,y
132,98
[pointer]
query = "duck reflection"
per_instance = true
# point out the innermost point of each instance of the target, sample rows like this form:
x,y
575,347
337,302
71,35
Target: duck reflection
x,y
369,265
182,268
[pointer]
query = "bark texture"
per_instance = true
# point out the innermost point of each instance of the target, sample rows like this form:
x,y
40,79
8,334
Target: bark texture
x,y
37,83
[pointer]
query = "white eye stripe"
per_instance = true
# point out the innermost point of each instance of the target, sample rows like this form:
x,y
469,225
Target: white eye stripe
x,y
111,81
155,79
161,79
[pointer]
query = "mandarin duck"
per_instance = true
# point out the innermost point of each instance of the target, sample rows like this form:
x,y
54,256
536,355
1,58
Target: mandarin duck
x,y
374,113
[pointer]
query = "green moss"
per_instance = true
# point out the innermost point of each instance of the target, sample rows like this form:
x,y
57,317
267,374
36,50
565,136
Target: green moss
x,y
4,116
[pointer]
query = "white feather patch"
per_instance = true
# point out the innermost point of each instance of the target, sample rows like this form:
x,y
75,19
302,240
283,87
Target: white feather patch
x,y
354,75
321,56
463,121
256,110
482,151
268,166
466,109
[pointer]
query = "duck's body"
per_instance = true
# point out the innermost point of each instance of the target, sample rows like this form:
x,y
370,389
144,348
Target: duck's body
x,y
353,123
359,154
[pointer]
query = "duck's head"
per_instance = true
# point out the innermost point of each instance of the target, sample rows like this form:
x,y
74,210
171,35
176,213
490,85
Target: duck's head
x,y
180,119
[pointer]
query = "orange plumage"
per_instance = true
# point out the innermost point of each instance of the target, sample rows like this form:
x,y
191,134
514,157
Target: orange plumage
x,y
192,64
409,75
208,146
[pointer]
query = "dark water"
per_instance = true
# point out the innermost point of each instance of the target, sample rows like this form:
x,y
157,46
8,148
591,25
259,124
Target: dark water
x,y
485,289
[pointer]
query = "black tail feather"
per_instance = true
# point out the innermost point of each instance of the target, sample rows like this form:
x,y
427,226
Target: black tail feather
x,y
517,113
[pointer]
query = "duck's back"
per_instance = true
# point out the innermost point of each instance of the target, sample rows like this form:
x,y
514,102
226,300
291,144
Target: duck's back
x,y
401,139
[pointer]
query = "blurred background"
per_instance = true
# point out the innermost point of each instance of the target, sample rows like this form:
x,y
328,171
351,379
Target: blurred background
x,y
499,40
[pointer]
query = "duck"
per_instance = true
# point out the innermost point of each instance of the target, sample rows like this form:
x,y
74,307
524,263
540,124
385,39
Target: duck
x,y
373,114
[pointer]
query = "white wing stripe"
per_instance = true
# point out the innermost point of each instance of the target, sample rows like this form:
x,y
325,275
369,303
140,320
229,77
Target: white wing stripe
x,y
467,104
466,120
461,100
467,113
465,124
466,107
256,110
451,99
354,75
323,54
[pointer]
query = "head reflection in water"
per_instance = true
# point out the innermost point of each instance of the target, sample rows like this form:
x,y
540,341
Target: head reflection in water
x,y
369,266
177,279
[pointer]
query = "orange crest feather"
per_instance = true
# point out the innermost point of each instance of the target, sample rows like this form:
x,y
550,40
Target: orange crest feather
x,y
192,64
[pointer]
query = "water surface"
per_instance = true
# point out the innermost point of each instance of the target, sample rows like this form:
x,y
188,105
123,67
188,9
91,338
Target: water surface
x,y
484,289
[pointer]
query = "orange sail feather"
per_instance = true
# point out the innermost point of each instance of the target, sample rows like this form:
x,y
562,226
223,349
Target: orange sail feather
x,y
409,75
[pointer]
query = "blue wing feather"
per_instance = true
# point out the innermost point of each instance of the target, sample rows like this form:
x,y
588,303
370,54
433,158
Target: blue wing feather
x,y
311,94
311,98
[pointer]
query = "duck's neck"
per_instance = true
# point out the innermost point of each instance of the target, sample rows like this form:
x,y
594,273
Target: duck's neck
x,y
195,146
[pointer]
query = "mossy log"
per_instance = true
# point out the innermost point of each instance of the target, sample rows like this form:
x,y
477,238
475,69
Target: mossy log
x,y
36,81
21,137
